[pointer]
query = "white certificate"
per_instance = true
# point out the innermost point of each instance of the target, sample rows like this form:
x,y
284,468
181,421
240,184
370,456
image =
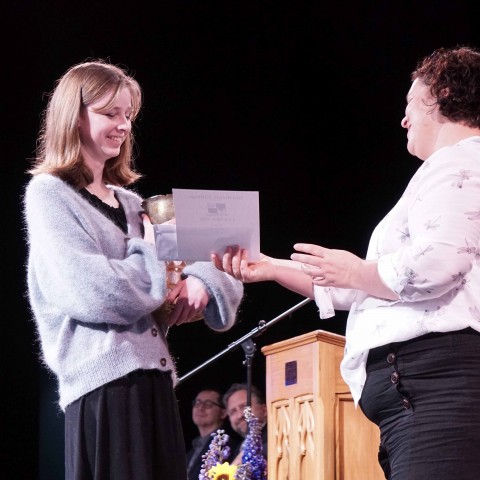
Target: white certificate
x,y
208,221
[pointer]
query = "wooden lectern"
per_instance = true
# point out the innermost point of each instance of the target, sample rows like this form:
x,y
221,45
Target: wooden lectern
x,y
314,430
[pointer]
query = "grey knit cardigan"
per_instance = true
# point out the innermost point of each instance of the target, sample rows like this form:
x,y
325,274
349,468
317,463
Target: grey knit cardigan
x,y
92,289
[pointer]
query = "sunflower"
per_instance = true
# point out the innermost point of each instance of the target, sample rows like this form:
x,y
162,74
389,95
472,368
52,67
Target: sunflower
x,y
223,471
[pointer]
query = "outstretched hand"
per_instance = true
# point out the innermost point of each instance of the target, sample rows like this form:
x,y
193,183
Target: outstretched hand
x,y
329,267
235,262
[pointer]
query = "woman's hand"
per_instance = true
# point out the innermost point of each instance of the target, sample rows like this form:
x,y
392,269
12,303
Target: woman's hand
x,y
342,269
189,297
235,262
329,267
149,234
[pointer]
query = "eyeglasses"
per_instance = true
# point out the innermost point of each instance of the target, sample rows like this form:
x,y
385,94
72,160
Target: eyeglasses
x,y
208,404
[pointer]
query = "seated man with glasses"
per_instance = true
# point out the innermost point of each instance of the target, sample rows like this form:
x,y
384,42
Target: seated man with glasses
x,y
208,414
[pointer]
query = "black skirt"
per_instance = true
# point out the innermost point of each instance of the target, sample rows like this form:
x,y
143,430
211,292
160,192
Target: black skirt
x,y
128,429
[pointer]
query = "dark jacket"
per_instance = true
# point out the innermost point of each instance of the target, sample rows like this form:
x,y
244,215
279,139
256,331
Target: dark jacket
x,y
264,445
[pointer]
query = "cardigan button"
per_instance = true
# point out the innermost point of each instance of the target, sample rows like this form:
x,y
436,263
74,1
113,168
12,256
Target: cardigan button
x,y
163,362
154,331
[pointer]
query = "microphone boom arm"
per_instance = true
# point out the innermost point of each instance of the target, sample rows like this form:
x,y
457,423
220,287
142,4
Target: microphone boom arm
x,y
257,331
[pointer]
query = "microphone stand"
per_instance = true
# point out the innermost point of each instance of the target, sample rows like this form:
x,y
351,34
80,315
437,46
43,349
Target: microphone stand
x,y
248,346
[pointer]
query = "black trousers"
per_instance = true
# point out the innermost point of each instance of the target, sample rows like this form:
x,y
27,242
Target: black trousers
x,y
128,429
424,394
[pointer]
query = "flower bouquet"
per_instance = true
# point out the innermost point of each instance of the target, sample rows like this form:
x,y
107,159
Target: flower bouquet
x,y
253,467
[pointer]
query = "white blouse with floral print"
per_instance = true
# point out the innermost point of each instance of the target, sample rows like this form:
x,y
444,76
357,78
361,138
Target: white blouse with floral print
x,y
428,251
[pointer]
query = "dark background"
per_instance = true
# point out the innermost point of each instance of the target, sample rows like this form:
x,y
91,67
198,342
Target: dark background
x,y
299,100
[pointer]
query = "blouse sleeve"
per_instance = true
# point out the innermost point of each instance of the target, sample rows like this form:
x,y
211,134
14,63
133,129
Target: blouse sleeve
x,y
439,242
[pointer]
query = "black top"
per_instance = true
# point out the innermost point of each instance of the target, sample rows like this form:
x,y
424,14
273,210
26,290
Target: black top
x,y
116,215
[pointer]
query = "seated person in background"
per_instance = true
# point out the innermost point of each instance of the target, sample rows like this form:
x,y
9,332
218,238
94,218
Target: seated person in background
x,y
235,401
208,414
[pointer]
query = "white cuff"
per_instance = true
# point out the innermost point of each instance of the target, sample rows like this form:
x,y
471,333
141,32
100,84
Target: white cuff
x,y
323,301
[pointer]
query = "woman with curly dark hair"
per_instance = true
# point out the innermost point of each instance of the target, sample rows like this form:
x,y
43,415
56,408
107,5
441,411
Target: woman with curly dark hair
x,y
412,356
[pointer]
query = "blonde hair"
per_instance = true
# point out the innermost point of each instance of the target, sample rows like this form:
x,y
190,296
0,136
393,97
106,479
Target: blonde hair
x,y
58,144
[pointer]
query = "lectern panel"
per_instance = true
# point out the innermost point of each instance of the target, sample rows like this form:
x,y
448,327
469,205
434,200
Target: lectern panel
x,y
280,422
314,430
292,373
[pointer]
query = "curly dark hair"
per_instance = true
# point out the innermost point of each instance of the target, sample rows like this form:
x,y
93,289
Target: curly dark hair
x,y
453,76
